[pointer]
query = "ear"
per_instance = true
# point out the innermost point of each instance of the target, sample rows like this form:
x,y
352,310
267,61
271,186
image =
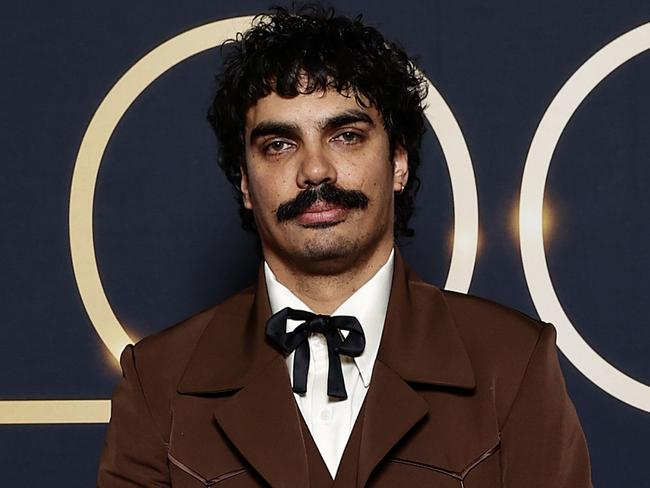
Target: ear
x,y
400,168
243,186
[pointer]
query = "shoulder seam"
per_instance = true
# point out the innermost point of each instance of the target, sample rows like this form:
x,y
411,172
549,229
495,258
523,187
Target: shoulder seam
x,y
507,308
144,397
523,377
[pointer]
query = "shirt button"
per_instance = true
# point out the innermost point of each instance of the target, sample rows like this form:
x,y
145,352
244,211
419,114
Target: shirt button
x,y
325,414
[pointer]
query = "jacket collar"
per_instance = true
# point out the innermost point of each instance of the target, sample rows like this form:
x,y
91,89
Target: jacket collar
x,y
420,341
233,345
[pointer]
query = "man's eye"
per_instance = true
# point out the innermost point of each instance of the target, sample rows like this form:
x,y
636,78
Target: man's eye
x,y
348,137
276,147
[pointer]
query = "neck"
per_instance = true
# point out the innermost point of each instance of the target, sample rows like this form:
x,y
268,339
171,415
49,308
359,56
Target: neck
x,y
326,289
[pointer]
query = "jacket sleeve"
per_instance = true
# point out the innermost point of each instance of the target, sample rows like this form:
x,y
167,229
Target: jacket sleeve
x,y
135,454
542,443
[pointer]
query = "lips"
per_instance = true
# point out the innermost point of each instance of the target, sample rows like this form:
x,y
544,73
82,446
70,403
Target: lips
x,y
322,213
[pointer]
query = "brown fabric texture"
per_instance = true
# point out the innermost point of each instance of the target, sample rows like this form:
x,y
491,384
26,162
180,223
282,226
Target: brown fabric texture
x,y
465,393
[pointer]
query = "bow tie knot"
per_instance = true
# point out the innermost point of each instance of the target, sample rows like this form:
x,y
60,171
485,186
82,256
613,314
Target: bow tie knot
x,y
319,324
297,340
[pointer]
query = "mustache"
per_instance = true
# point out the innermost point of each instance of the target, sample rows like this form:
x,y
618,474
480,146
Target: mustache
x,y
328,193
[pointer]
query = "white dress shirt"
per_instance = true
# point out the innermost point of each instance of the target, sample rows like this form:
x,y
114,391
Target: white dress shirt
x,y
331,420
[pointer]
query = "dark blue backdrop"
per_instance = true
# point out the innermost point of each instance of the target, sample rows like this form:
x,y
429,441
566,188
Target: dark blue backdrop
x,y
166,229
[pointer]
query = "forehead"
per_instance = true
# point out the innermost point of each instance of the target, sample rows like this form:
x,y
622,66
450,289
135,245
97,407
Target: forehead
x,y
305,109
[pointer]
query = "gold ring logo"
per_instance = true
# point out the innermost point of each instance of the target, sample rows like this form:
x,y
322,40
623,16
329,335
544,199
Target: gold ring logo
x,y
531,204
101,127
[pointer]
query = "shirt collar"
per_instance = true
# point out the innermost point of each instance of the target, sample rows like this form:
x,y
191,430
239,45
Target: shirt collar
x,y
368,304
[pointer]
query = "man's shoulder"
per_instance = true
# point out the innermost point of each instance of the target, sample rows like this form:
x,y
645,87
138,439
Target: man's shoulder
x,y
482,318
482,324
501,343
167,352
499,340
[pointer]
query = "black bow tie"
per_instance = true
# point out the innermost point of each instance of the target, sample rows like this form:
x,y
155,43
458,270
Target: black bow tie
x,y
352,345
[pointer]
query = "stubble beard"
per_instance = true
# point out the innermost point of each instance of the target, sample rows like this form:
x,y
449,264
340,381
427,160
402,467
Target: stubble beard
x,y
328,248
328,253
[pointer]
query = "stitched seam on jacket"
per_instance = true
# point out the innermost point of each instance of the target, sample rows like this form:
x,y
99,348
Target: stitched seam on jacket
x,y
453,474
481,458
459,476
197,476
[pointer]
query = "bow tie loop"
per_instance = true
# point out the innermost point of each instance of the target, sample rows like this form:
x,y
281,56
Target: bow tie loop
x,y
297,340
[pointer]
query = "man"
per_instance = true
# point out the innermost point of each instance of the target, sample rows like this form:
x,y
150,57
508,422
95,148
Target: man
x,y
340,367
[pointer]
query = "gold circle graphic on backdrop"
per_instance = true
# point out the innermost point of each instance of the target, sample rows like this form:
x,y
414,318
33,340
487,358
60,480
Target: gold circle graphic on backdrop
x,y
531,204
147,70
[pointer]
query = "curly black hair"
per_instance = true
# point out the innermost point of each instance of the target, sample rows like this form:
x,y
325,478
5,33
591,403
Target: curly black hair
x,y
285,47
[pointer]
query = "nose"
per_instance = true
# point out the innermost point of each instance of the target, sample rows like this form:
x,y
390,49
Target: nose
x,y
315,168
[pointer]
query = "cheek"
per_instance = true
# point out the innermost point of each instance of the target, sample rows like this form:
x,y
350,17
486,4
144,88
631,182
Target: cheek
x,y
377,167
268,192
376,180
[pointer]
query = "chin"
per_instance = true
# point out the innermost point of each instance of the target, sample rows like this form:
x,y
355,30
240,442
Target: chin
x,y
332,253
321,250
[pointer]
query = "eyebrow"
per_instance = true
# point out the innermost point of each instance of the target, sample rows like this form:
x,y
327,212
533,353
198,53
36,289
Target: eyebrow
x,y
289,129
273,128
345,118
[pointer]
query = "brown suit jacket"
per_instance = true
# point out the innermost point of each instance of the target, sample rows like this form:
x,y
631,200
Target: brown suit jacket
x,y
464,393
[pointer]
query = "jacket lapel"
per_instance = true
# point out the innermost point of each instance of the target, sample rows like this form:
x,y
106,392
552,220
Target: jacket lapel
x,y
420,345
261,419
392,409
263,422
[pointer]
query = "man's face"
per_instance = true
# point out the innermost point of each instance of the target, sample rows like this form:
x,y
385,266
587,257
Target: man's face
x,y
320,179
